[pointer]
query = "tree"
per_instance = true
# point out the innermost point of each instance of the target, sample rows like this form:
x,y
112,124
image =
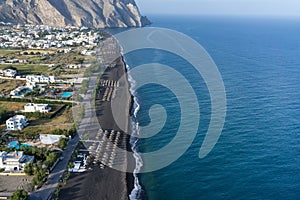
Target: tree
x,y
19,195
4,114
29,169
62,143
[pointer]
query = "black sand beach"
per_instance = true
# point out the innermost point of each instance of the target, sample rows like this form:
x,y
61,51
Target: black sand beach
x,y
103,182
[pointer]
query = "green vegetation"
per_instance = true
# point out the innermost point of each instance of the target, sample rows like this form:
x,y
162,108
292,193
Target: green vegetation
x,y
5,52
4,114
71,132
84,87
62,143
51,158
29,169
45,157
28,69
20,195
39,175
90,70
34,101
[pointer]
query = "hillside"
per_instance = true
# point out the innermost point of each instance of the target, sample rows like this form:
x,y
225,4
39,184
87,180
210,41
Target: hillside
x,y
90,13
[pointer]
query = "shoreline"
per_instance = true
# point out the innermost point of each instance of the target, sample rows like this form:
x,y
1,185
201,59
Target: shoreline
x,y
107,183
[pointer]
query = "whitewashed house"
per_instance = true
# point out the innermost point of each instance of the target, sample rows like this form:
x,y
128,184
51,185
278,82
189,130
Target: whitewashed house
x,y
20,91
74,66
40,79
14,161
17,122
9,73
42,108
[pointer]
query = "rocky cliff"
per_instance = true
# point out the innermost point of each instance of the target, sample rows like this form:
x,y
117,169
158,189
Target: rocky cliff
x,y
90,13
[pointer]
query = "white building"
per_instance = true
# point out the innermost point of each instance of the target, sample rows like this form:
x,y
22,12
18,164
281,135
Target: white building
x,y
8,73
74,66
14,161
42,108
17,122
20,91
49,139
40,79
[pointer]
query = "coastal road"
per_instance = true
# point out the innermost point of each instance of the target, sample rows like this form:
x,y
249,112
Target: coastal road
x,y
46,191
48,188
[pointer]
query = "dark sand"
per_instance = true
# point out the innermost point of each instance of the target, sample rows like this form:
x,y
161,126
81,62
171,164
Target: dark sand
x,y
107,183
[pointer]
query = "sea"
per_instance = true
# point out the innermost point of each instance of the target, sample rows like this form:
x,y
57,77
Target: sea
x,y
258,153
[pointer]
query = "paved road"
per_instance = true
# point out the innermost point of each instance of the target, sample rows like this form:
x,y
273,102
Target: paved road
x,y
47,189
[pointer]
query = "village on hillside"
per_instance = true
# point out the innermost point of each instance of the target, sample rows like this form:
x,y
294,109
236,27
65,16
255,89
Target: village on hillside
x,y
43,74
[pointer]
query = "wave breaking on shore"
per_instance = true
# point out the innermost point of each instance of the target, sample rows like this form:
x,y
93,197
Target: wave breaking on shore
x,y
136,193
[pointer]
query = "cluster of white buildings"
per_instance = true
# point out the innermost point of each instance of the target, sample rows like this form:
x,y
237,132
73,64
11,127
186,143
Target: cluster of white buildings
x,y
8,73
17,122
45,37
14,161
41,108
40,79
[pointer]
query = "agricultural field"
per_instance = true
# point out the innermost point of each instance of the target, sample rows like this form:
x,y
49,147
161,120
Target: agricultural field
x,y
27,69
12,106
8,52
61,118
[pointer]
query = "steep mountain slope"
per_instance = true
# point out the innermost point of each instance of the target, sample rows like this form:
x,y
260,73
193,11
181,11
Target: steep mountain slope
x,y
91,13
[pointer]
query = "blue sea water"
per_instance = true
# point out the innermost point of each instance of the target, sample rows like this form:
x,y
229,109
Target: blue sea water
x,y
258,153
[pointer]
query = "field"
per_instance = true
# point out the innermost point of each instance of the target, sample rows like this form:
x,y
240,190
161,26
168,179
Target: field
x,y
8,85
63,120
27,69
12,106
5,52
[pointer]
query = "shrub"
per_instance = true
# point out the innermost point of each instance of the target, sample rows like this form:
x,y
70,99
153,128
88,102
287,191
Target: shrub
x,y
20,195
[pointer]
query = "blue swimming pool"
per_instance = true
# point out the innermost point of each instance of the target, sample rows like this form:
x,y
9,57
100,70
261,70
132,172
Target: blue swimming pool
x,y
66,95
14,144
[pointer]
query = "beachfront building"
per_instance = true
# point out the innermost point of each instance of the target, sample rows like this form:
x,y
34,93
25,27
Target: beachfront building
x,y
14,161
40,79
42,108
17,122
49,139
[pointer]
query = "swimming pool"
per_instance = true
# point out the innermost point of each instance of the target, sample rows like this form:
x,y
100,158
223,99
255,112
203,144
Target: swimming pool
x,y
66,95
14,144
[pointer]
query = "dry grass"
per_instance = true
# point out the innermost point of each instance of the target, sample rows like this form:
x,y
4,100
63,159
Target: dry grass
x,y
8,85
45,126
27,68
6,52
63,118
12,106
